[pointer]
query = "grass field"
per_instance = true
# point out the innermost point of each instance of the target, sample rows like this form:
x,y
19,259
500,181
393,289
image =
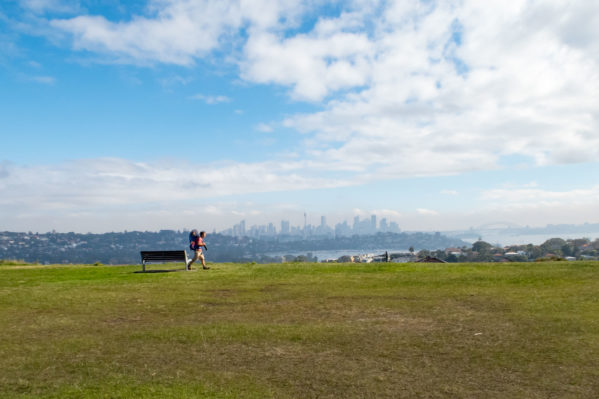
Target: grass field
x,y
301,331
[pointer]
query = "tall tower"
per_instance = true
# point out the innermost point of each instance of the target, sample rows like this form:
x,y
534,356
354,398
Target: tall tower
x,y
284,226
373,222
323,221
384,227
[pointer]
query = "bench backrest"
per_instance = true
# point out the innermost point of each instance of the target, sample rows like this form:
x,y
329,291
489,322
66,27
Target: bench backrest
x,y
163,256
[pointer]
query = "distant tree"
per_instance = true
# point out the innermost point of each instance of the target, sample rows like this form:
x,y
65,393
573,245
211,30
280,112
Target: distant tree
x,y
452,258
482,247
579,242
534,251
423,253
553,244
568,250
439,254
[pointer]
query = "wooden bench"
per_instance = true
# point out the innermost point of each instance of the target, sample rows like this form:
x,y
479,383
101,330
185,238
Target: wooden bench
x,y
163,256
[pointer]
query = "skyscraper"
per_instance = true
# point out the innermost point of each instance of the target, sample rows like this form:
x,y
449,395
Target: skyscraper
x,y
305,224
383,225
284,226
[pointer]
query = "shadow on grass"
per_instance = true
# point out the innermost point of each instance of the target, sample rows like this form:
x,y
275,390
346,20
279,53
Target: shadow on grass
x,y
164,271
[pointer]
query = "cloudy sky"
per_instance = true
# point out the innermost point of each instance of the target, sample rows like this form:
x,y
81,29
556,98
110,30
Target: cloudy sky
x,y
158,114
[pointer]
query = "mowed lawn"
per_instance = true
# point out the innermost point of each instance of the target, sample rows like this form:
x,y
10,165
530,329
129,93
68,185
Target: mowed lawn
x,y
528,330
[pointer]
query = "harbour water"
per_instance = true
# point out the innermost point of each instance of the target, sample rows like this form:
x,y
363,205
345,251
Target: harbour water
x,y
500,237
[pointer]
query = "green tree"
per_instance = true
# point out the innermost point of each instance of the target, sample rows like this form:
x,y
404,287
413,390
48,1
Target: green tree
x,y
553,244
452,258
423,253
482,247
568,250
534,251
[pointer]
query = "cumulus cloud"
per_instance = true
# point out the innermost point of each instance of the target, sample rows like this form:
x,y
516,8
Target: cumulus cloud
x,y
174,31
530,197
114,181
314,65
405,88
116,193
458,88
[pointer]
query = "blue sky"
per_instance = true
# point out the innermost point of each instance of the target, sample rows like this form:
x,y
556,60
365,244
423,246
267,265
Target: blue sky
x,y
120,115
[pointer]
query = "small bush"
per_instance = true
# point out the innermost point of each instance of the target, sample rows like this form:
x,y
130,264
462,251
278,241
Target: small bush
x,y
13,262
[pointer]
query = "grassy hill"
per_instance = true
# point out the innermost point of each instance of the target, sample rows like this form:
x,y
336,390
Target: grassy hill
x,y
301,331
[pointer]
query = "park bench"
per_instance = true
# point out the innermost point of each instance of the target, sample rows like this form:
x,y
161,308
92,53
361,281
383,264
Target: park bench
x,y
162,257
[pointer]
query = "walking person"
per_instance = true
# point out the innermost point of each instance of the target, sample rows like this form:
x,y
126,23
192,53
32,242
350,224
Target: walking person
x,y
196,242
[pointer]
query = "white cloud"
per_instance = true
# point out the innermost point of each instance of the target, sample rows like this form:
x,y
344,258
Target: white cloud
x,y
174,31
404,89
411,88
314,65
426,212
264,127
528,197
117,193
47,80
508,86
211,100
112,181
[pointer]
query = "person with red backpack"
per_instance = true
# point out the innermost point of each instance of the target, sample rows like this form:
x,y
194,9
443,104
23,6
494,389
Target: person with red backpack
x,y
196,242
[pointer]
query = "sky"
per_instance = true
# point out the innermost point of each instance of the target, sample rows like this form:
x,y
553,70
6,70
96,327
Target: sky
x,y
172,114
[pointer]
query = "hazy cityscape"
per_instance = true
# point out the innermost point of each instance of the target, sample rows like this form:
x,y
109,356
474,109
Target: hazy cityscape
x,y
343,229
364,241
498,233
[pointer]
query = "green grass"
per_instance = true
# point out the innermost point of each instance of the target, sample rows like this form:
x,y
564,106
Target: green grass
x,y
526,330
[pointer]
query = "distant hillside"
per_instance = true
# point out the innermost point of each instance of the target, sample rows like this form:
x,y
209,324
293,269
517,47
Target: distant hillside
x,y
123,248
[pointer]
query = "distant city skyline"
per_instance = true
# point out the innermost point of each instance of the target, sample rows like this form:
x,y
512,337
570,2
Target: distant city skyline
x,y
359,227
438,115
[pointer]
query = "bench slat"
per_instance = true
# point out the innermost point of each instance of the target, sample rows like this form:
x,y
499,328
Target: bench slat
x,y
163,256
